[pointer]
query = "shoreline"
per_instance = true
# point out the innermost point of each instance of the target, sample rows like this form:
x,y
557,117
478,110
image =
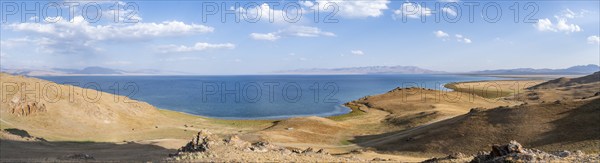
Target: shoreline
x,y
358,111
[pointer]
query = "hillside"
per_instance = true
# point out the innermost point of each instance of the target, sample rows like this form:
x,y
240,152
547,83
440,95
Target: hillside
x,y
558,118
568,126
68,113
563,82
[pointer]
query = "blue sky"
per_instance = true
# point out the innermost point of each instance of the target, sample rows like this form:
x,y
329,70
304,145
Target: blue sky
x,y
171,35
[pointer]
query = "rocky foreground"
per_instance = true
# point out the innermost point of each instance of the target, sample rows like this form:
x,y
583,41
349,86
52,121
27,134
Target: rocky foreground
x,y
208,147
514,152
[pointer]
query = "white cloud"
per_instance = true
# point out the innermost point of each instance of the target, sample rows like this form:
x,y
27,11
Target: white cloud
x,y
412,10
306,31
265,13
449,11
445,36
264,36
466,40
461,38
593,40
569,14
357,52
79,36
544,25
292,31
307,3
200,46
561,25
354,8
568,28
440,34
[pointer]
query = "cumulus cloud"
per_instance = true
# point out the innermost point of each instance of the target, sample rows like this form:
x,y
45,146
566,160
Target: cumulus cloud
x,y
593,40
78,27
265,13
292,31
58,35
357,52
411,10
351,8
458,37
440,34
561,24
545,25
461,38
200,46
264,36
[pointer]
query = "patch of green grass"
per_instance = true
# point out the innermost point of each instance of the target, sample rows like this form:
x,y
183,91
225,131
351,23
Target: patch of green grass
x,y
354,113
242,123
345,142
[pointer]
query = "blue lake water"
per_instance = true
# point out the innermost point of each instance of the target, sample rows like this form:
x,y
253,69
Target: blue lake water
x,y
256,96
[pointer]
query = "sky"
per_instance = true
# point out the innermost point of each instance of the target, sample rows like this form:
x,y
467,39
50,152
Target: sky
x,y
204,37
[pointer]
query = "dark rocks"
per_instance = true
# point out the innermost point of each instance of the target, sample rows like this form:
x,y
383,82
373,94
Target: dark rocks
x,y
513,152
454,157
261,146
512,147
557,102
377,159
200,143
77,156
476,110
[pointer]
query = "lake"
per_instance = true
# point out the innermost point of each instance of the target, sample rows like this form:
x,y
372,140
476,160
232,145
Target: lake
x,y
256,96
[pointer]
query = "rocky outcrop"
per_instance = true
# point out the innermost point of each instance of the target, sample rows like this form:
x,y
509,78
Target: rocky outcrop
x,y
205,146
200,143
514,152
20,107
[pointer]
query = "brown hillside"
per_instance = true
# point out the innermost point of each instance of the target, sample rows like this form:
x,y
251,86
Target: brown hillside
x,y
549,126
563,82
411,107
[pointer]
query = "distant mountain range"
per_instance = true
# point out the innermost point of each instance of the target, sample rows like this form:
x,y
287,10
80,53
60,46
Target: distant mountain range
x,y
88,71
364,70
582,69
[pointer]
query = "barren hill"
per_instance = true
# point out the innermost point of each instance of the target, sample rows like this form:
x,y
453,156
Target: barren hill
x,y
551,126
68,113
562,82
558,118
